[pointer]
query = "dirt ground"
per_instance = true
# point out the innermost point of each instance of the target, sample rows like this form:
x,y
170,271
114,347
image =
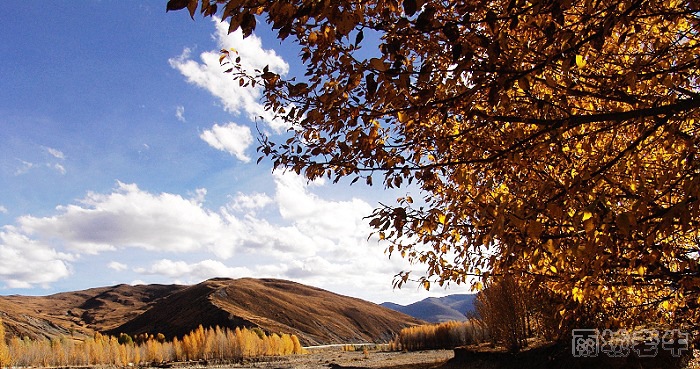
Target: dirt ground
x,y
431,359
337,359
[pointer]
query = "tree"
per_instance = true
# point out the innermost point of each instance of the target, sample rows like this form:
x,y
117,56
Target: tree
x,y
502,307
554,140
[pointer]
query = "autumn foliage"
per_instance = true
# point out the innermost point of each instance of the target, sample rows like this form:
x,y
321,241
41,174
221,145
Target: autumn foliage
x,y
210,344
553,140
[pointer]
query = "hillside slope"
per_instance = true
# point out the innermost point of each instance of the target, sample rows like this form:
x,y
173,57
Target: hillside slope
x,y
79,313
316,316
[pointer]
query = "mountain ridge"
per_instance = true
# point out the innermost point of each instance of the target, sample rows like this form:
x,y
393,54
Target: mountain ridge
x,y
315,315
437,309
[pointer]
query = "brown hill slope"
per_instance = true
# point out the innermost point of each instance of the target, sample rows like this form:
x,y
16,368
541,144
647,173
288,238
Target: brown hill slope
x,y
79,313
316,316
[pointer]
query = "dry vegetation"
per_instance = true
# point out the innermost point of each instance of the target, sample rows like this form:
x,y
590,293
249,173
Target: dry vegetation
x,y
210,344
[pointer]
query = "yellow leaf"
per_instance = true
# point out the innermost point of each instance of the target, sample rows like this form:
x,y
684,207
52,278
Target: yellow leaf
x,y
589,226
586,215
641,270
580,61
577,293
553,268
403,117
441,218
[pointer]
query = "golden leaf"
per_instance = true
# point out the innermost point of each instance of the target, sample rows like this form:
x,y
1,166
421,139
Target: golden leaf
x,y
586,215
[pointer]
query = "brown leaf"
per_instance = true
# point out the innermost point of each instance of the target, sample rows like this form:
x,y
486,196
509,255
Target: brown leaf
x,y
410,7
176,5
247,24
192,7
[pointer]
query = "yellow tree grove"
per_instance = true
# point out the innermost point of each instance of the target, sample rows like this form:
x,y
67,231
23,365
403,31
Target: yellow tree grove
x,y
556,141
226,345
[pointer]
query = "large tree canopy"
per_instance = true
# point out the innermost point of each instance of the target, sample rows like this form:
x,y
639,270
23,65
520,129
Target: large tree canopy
x,y
553,140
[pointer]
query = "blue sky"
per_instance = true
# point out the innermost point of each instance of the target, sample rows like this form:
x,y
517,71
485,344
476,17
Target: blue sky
x,y
127,156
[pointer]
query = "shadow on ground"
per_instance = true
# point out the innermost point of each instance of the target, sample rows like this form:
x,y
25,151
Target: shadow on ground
x,y
555,356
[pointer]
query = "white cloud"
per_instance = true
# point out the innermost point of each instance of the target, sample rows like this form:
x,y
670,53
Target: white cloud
x,y
130,217
341,220
25,262
119,267
231,138
250,203
180,113
209,74
24,168
58,167
3,209
194,272
55,153
199,195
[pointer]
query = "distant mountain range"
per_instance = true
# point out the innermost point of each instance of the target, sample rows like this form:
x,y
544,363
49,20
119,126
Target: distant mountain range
x,y
316,316
438,309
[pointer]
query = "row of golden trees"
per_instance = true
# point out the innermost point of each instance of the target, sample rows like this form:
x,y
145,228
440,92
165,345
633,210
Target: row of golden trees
x,y
211,344
445,335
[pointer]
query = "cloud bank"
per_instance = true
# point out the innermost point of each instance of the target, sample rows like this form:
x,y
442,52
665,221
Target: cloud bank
x,y
312,240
